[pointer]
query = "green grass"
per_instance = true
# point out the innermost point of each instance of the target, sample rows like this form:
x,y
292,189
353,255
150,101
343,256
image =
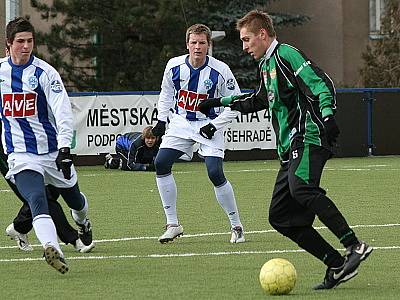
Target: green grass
x,y
129,263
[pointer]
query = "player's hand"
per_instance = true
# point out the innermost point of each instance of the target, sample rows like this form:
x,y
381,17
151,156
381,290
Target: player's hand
x,y
331,129
208,131
159,129
204,106
64,162
150,167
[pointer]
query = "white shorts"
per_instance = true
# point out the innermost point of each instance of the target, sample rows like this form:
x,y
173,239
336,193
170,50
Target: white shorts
x,y
44,164
183,135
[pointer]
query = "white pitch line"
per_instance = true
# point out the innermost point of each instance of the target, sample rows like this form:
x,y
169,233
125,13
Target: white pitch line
x,y
171,255
348,168
211,234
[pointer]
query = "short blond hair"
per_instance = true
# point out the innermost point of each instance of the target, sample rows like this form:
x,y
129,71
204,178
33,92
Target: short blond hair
x,y
255,20
198,29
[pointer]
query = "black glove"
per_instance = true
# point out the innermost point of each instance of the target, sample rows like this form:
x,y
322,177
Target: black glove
x,y
331,129
64,162
208,131
150,167
204,106
159,129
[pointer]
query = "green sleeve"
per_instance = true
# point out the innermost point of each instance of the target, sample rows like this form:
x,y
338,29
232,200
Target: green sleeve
x,y
227,100
312,81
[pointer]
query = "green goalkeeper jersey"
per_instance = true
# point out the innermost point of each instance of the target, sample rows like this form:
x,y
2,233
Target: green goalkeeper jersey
x,y
298,95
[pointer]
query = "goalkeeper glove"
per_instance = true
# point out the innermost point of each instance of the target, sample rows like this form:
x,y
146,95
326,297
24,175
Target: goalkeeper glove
x,y
206,105
331,129
64,162
208,131
159,129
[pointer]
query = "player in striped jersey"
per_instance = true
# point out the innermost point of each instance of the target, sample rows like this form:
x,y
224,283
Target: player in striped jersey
x,y
188,80
22,223
37,133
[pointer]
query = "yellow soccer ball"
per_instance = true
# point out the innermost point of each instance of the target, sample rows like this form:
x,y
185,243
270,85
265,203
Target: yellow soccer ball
x,y
278,276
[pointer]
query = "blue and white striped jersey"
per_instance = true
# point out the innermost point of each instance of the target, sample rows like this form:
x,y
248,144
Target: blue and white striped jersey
x,y
184,87
35,108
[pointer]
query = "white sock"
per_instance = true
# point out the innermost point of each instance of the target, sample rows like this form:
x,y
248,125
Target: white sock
x,y
226,198
80,216
168,192
46,231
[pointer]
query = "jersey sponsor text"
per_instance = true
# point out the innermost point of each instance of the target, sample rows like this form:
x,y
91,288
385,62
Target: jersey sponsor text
x,y
19,105
190,100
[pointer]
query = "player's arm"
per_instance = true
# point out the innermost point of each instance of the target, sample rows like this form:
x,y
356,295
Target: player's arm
x,y
229,87
316,85
244,103
60,106
134,166
166,101
311,80
133,163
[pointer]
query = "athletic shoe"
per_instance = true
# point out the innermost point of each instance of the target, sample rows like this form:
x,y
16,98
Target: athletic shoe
x,y
54,259
171,232
355,254
85,232
112,163
81,247
108,158
20,238
237,235
334,277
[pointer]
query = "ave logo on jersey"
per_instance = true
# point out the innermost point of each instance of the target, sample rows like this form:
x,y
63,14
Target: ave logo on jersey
x,y
19,105
190,100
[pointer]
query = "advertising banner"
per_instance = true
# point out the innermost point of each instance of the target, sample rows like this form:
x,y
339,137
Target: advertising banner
x,y
100,119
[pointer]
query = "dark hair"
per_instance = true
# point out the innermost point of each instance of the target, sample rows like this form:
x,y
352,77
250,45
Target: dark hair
x,y
255,20
18,25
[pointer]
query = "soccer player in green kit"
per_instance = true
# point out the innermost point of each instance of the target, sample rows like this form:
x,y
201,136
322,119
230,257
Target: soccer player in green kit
x,y
302,103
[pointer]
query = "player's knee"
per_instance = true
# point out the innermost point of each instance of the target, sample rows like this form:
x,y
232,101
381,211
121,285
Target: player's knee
x,y
278,227
293,233
215,170
324,207
216,176
162,166
37,202
297,192
304,194
36,196
165,159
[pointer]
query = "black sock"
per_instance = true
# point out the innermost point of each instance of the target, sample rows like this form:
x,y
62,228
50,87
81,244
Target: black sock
x,y
332,218
311,241
334,260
